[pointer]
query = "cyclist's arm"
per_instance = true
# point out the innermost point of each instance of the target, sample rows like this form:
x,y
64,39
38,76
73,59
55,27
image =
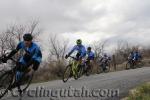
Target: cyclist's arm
x,y
13,52
73,49
36,59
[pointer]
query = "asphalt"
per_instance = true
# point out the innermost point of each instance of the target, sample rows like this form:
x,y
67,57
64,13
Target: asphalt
x,y
105,86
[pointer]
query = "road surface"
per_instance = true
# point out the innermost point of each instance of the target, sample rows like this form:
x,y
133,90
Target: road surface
x,y
105,86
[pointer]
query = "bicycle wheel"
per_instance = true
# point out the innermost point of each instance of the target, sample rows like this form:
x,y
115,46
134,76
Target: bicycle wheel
x,y
67,73
5,82
80,71
140,64
107,69
128,65
88,71
25,81
99,69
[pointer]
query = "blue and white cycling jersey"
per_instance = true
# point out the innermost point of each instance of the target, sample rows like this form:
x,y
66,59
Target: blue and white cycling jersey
x,y
136,55
31,53
80,49
90,55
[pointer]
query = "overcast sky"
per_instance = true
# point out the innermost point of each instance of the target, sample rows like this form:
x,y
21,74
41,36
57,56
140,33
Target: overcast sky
x,y
90,20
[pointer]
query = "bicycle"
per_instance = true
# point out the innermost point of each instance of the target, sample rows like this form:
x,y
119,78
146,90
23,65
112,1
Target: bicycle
x,y
132,64
8,80
74,69
87,68
103,67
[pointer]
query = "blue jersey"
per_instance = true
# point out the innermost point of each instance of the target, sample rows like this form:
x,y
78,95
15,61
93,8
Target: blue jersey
x,y
137,55
91,55
30,53
80,49
131,56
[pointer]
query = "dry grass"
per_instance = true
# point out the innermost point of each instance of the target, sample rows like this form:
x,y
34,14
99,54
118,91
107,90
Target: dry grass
x,y
140,93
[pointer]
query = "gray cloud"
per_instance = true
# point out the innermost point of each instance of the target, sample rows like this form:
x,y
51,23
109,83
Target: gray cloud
x,y
128,19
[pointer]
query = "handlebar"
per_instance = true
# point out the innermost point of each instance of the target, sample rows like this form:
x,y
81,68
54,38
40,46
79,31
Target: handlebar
x,y
73,57
4,55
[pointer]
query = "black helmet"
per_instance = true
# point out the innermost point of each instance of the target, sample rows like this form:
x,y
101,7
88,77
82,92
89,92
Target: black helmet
x,y
27,37
89,48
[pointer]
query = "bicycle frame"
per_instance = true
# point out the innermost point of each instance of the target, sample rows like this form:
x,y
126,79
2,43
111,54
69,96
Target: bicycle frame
x,y
74,65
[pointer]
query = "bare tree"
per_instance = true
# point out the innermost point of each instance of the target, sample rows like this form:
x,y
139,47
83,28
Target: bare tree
x,y
18,30
6,42
14,34
58,48
99,47
122,51
33,28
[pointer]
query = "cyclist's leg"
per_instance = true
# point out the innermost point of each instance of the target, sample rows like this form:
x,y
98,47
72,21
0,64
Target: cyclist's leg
x,y
18,74
104,66
20,70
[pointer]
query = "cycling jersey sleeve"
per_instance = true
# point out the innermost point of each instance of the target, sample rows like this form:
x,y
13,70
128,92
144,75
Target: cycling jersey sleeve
x,y
37,56
13,52
73,49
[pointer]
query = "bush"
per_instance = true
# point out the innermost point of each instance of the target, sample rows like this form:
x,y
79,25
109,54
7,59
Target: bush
x,y
141,93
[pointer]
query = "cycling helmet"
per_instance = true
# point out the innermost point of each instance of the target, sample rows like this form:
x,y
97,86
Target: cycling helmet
x,y
27,37
89,48
105,54
79,41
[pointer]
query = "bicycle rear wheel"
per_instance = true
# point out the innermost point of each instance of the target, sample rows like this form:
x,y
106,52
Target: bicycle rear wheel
x,y
67,73
80,71
140,64
99,69
88,70
5,82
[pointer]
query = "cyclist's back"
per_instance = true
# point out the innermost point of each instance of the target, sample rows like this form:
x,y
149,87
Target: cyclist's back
x,y
105,59
90,54
137,56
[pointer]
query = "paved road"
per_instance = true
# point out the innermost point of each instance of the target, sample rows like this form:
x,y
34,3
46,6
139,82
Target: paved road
x,y
96,86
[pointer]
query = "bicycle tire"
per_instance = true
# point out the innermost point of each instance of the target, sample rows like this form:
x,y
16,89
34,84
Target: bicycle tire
x,y
8,75
68,72
80,71
128,66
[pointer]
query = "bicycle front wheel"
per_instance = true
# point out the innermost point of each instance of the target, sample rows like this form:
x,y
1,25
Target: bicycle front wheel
x,y
67,73
25,81
5,82
128,65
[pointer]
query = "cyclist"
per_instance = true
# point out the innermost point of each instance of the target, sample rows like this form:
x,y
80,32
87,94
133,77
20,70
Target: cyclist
x,y
32,56
131,57
105,61
90,58
137,56
81,51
